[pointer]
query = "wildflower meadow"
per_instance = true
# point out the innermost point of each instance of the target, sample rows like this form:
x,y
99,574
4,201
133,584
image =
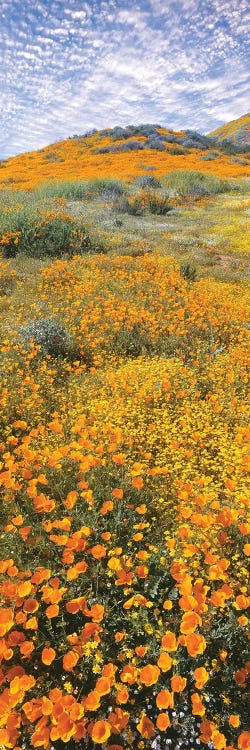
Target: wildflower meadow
x,y
124,477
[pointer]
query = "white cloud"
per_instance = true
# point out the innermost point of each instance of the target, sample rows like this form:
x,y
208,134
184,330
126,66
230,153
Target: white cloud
x,y
71,65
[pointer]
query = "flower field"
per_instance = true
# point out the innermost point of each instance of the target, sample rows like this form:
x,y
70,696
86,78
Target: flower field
x,y
124,474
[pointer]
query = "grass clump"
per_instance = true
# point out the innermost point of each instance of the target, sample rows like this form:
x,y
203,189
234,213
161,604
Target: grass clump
x,y
147,181
131,342
193,183
188,272
68,189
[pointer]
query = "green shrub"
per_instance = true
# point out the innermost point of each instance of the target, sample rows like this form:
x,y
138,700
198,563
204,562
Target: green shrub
x,y
179,150
194,183
138,204
68,189
53,235
158,204
131,342
210,156
133,206
107,188
147,181
188,272
51,335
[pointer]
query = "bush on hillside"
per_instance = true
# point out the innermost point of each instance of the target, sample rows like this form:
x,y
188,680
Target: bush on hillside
x,y
107,188
51,336
158,204
147,181
138,204
188,272
194,183
52,235
210,156
68,189
131,342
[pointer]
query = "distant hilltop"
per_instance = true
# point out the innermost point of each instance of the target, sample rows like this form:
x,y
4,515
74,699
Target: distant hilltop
x,y
236,131
232,137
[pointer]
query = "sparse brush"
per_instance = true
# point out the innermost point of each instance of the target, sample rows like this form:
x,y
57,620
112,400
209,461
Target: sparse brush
x,y
147,181
194,183
188,272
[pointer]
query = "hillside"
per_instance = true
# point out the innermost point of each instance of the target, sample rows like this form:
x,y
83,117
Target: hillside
x,y
127,152
237,131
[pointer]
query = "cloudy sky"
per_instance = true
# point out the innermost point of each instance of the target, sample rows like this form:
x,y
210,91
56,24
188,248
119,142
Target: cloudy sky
x,y
70,65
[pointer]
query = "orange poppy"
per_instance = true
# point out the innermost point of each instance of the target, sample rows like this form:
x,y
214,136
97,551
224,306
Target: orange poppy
x,y
201,676
137,482
244,741
189,623
234,720
100,732
52,611
169,641
92,701
122,694
178,683
163,722
142,571
165,699
117,493
195,644
98,551
149,674
30,606
6,620
103,686
70,660
219,740
197,706
48,655
164,662
146,727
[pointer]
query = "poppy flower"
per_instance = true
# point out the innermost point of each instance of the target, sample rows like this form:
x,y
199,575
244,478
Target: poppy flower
x,y
92,701
164,662
201,676
100,732
169,641
70,660
149,674
244,741
146,727
178,683
189,623
165,699
103,686
195,644
163,722
48,655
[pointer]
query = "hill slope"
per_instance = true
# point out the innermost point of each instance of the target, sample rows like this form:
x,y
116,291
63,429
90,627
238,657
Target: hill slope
x,y
124,152
237,131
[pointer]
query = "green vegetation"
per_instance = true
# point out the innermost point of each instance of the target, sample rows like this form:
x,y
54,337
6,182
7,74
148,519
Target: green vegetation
x,y
192,183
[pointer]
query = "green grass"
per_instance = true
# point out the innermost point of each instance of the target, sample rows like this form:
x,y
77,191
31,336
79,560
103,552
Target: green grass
x,y
208,231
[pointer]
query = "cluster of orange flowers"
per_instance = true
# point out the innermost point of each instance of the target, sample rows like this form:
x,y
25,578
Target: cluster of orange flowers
x,y
125,486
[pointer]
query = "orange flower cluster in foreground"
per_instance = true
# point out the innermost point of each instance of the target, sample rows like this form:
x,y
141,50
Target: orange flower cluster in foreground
x,y
125,486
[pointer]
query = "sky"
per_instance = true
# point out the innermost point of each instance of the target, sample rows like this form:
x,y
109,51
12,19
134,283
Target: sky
x,y
67,66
